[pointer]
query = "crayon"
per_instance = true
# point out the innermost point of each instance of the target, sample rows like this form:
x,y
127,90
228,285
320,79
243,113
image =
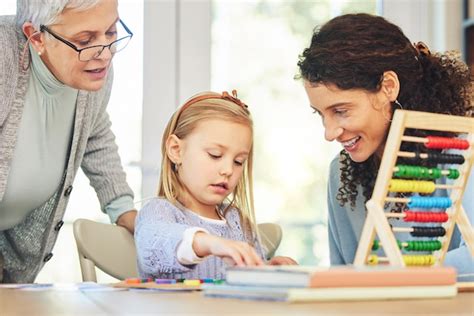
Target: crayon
x,y
165,281
192,282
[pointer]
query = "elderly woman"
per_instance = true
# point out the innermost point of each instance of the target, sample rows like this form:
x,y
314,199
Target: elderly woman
x,y
55,83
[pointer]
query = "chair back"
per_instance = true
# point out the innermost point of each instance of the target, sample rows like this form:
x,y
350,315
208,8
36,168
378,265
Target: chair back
x,y
270,235
109,247
112,249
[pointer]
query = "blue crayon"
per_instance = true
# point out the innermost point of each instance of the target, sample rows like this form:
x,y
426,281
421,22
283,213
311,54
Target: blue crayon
x,y
207,280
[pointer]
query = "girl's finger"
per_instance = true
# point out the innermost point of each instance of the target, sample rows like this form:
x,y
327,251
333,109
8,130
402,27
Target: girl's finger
x,y
252,253
237,257
229,261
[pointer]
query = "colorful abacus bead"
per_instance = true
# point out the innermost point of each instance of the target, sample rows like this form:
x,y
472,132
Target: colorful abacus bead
x,y
422,231
429,202
398,185
372,260
436,142
423,260
438,217
423,245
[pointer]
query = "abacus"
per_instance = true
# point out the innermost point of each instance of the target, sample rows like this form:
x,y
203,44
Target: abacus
x,y
443,213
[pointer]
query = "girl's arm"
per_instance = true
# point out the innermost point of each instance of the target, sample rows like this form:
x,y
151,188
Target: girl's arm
x,y
157,237
101,162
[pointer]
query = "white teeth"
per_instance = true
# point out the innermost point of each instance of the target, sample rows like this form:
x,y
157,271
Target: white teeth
x,y
350,142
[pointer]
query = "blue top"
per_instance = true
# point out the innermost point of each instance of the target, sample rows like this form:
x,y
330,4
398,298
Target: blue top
x,y
345,227
159,229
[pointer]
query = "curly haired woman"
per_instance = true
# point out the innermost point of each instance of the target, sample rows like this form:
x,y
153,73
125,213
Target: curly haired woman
x,y
357,71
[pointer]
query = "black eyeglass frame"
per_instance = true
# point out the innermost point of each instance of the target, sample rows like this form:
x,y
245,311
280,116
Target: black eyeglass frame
x,y
44,28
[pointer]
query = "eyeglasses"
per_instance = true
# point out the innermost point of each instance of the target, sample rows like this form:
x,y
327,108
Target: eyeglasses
x,y
93,52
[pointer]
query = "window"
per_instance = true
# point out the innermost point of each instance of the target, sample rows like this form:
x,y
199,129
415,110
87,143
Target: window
x,y
255,48
8,7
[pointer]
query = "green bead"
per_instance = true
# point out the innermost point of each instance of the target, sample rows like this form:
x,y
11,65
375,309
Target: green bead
x,y
453,174
375,245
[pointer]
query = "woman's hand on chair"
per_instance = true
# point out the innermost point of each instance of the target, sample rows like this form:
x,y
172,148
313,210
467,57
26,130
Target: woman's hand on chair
x,y
127,220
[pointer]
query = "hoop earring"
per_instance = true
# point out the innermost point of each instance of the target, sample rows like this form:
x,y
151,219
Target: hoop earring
x,y
399,105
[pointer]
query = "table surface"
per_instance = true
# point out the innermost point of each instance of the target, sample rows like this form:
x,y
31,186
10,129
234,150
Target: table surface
x,y
57,302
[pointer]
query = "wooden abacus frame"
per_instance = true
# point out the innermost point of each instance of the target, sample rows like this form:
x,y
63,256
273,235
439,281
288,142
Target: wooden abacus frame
x,y
377,222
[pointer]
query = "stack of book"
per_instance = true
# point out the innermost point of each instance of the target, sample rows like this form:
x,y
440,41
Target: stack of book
x,y
303,283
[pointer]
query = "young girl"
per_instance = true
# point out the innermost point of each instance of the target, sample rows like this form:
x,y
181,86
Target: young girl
x,y
203,216
357,71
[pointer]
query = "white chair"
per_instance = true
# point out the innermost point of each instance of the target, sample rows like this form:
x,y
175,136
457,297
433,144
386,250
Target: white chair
x,y
270,235
112,248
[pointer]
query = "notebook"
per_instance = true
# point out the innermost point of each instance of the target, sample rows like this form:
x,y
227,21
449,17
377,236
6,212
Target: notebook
x,y
328,294
340,276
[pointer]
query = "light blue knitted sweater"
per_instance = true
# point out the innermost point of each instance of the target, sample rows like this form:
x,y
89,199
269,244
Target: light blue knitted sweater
x,y
159,230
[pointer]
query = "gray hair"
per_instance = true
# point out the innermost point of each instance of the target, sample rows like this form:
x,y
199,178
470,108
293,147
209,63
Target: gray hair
x,y
47,11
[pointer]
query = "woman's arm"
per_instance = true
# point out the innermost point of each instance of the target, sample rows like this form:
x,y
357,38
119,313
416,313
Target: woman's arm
x,y
127,220
459,256
101,164
335,255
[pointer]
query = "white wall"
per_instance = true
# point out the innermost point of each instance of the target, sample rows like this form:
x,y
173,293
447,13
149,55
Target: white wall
x,y
176,61
437,23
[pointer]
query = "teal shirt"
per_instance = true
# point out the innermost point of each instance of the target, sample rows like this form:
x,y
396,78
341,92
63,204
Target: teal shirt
x,y
345,227
44,138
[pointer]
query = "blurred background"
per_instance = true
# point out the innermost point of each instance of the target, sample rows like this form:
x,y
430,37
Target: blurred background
x,y
182,47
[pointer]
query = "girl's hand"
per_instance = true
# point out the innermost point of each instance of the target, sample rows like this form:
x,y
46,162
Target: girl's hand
x,y
240,253
278,261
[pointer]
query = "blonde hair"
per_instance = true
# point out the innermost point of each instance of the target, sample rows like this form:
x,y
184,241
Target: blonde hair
x,y
206,106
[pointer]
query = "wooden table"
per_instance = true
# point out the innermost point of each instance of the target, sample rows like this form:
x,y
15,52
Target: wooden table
x,y
55,302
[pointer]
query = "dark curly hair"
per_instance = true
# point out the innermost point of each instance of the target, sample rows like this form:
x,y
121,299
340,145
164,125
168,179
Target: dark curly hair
x,y
353,51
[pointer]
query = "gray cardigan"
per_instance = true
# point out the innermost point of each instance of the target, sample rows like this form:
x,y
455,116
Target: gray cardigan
x,y
27,246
